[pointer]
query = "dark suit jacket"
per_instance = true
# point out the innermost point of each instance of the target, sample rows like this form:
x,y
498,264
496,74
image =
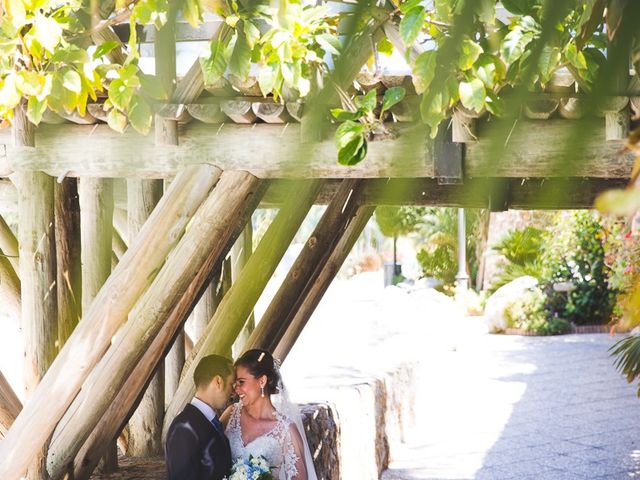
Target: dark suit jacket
x,y
195,450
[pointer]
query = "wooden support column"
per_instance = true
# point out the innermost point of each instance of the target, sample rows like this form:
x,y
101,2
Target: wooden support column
x,y
10,406
69,266
125,401
240,254
9,244
321,281
36,240
107,313
9,288
145,426
237,304
307,266
208,233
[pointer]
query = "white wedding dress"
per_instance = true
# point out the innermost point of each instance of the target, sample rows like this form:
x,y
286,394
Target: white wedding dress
x,y
275,446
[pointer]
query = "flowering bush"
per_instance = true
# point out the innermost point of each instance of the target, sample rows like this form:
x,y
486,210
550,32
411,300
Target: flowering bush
x,y
528,313
253,468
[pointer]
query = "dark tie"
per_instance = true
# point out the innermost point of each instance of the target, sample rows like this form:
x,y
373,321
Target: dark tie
x,y
217,425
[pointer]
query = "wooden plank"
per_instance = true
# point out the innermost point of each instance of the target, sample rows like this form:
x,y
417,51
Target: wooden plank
x,y
10,406
94,333
282,309
240,300
212,226
267,151
321,280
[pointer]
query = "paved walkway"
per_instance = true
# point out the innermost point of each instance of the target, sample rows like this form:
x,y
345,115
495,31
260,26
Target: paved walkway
x,y
510,407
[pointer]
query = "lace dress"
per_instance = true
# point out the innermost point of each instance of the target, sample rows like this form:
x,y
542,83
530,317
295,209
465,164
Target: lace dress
x,y
275,446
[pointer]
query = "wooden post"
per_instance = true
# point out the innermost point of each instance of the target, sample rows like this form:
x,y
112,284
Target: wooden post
x,y
69,267
211,228
119,408
322,280
240,254
108,312
237,304
301,276
9,288
10,406
145,426
9,244
96,225
36,240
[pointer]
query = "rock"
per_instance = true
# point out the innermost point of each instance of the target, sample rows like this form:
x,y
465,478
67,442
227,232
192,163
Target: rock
x,y
496,304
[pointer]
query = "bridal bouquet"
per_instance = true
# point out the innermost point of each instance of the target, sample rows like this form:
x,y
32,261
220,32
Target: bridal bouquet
x,y
254,468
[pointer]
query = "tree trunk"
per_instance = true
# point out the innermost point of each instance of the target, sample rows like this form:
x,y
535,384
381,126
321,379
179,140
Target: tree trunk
x,y
321,281
69,271
145,426
485,219
304,270
10,406
208,234
237,304
108,312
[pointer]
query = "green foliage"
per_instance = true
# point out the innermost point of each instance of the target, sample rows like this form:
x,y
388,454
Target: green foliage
x,y
397,221
627,353
521,246
528,313
511,271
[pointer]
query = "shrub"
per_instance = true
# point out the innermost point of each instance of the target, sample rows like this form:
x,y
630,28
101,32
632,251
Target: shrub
x,y
528,313
521,247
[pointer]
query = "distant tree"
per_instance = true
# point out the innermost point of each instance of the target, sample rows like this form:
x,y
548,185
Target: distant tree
x,y
397,221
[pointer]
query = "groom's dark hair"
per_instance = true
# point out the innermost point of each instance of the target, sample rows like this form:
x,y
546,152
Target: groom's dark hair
x,y
210,366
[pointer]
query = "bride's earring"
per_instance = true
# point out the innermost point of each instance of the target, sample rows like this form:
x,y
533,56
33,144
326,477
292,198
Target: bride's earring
x,y
262,391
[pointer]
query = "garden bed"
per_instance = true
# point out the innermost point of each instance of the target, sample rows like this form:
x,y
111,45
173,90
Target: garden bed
x,y
574,329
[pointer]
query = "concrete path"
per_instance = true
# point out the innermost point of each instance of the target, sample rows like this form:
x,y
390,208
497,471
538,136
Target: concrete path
x,y
510,407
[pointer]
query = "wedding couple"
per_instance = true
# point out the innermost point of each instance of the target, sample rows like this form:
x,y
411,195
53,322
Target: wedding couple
x,y
203,443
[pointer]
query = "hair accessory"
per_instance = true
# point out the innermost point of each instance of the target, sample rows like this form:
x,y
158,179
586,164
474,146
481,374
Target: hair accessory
x,y
260,359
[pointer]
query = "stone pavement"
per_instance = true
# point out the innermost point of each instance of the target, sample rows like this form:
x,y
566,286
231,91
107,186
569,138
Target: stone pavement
x,y
509,407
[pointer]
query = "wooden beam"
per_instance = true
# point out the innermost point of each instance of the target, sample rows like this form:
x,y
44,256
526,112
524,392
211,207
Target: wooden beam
x,y
534,149
68,257
321,280
300,278
94,333
10,297
212,226
145,425
8,241
10,406
240,254
239,301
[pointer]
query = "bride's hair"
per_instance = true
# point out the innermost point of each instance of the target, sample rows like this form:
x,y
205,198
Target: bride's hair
x,y
260,362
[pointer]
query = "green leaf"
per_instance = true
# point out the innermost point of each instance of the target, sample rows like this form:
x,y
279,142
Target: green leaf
x,y
120,94
343,115
368,101
514,44
240,61
105,48
411,25
409,5
252,33
547,63
494,104
140,114
469,53
575,57
35,110
486,11
47,31
353,153
9,95
152,87
192,12
433,110
347,131
267,78
424,70
288,73
329,43
15,11
472,94
385,47
392,96
29,82
518,7
215,65
117,120
71,81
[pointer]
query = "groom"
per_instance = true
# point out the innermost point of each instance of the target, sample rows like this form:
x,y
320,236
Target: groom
x,y
196,446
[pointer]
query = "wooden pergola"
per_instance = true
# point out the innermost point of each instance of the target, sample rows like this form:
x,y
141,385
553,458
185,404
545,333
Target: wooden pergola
x,y
106,278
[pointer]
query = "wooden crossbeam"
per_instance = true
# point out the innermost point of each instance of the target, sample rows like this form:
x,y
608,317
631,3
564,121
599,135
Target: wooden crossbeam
x,y
534,149
10,406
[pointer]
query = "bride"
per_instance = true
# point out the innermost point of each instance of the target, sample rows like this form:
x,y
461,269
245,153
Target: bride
x,y
255,427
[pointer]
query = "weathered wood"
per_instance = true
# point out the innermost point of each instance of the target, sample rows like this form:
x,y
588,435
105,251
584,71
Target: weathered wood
x,y
240,254
145,425
321,281
93,335
22,131
8,241
207,112
204,309
239,111
125,401
173,366
10,406
271,112
447,157
96,220
9,289
212,226
463,127
69,265
268,151
617,125
302,275
118,244
237,304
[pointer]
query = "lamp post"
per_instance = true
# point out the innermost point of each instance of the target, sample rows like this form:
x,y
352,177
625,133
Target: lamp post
x,y
462,279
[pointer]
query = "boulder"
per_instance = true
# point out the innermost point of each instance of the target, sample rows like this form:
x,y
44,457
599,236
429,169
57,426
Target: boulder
x,y
496,304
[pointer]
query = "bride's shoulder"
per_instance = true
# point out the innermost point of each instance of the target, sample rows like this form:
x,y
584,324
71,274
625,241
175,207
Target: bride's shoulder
x,y
229,412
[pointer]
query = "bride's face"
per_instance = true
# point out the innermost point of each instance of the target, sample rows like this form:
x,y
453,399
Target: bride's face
x,y
247,386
